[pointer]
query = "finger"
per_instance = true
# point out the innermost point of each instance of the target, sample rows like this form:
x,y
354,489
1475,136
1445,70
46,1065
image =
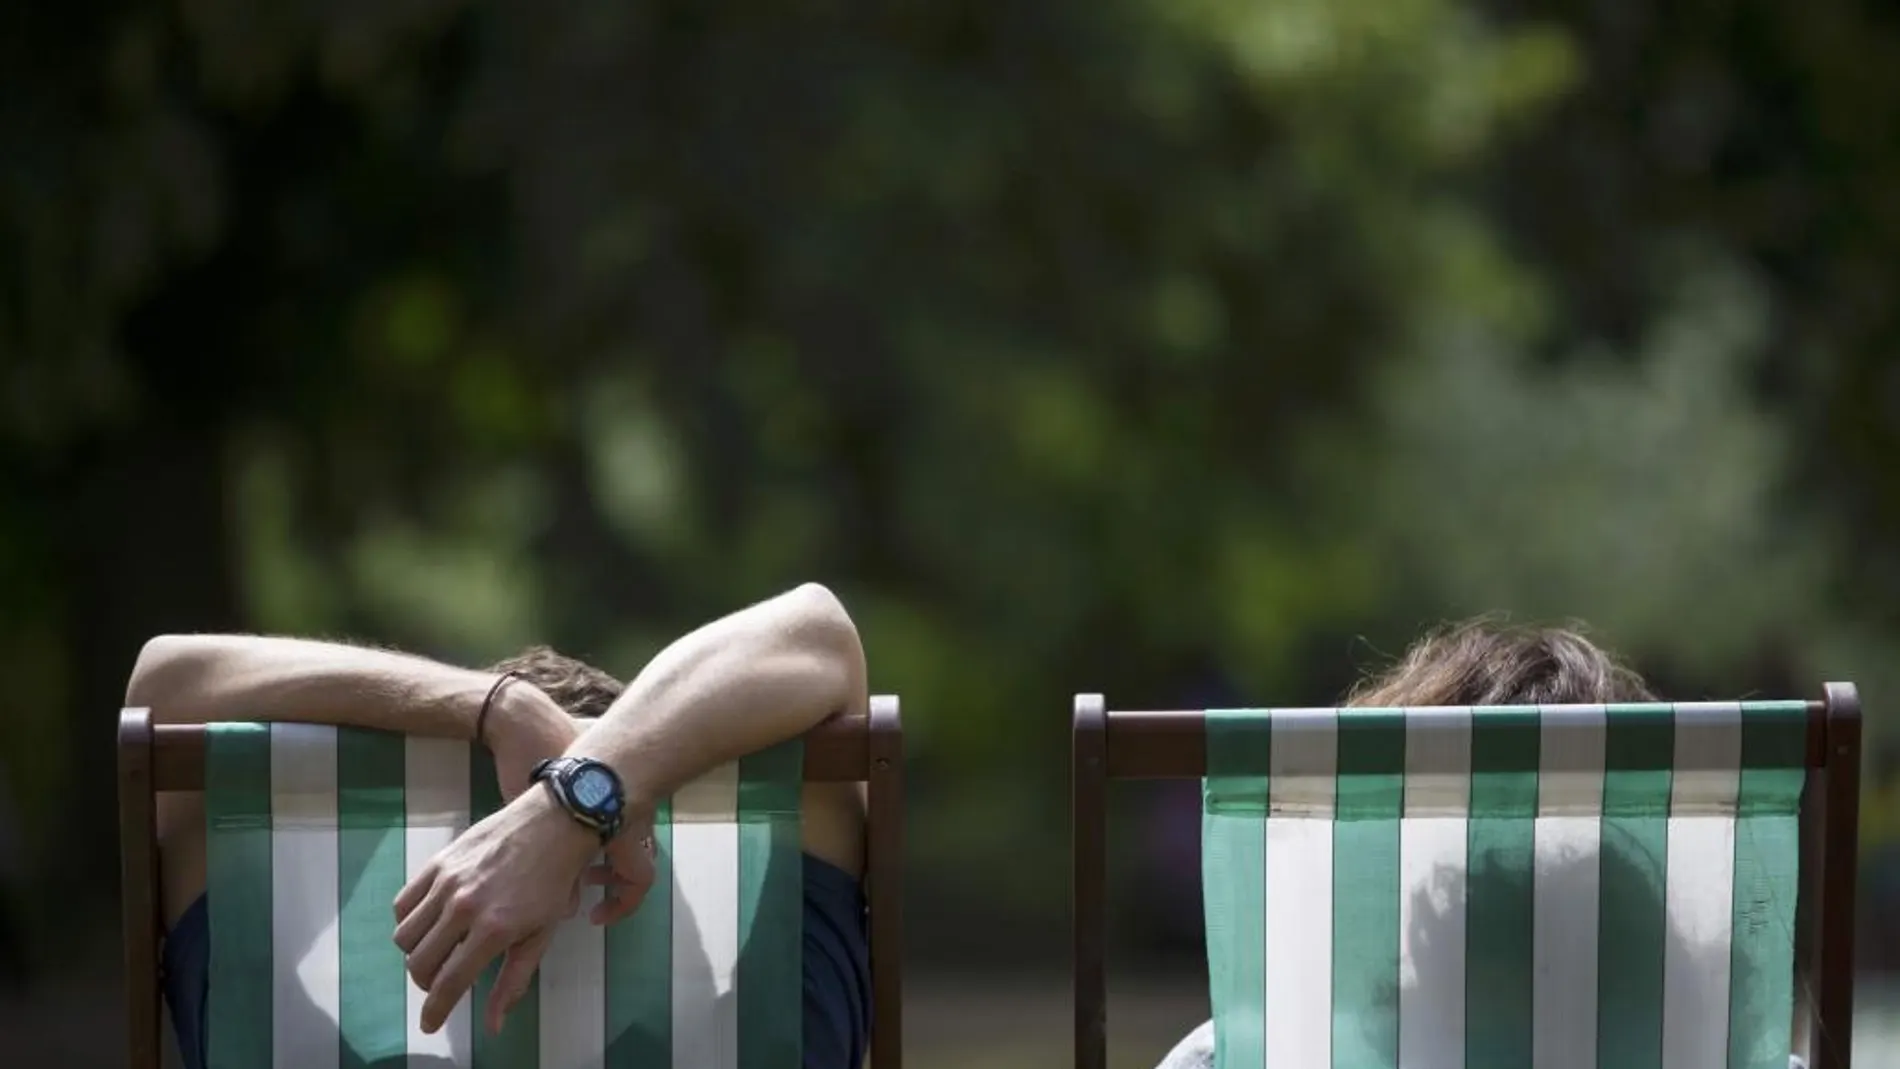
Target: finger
x,y
615,909
602,876
425,961
631,865
458,974
620,900
518,967
422,917
415,891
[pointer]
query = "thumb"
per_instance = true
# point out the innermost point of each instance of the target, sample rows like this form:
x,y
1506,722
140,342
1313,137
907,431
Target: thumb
x,y
518,966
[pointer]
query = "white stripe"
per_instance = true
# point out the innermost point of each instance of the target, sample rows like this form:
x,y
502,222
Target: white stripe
x,y
1299,887
574,993
706,921
435,795
1565,897
1701,885
303,847
1432,850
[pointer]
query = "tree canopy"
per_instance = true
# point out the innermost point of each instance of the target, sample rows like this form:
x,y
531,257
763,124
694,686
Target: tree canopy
x,y
1122,345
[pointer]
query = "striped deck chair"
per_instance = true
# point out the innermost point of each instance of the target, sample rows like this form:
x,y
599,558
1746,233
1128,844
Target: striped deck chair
x,y
312,830
1568,887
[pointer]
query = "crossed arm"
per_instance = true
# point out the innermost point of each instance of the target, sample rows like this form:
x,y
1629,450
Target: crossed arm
x,y
766,673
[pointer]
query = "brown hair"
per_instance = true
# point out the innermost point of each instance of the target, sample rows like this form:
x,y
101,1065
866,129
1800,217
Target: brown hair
x,y
1488,662
576,686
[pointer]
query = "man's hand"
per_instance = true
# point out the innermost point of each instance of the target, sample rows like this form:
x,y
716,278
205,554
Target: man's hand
x,y
625,876
501,887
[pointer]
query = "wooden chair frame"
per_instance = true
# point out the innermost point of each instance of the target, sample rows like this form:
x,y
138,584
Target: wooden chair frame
x,y
846,749
1173,745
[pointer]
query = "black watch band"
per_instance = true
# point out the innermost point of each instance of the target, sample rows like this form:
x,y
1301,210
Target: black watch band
x,y
589,790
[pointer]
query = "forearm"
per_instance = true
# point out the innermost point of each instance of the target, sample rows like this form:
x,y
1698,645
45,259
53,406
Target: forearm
x,y
742,683
201,678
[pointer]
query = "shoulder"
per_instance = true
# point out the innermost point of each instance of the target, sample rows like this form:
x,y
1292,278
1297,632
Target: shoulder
x,y
1195,1051
833,818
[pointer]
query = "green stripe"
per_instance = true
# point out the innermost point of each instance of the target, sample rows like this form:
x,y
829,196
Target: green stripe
x,y
640,966
1366,888
370,873
238,890
770,978
1767,859
519,1044
1633,759
1632,912
1789,753
1500,901
1233,868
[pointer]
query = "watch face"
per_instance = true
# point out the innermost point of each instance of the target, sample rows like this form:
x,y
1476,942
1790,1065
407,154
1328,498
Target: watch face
x,y
592,788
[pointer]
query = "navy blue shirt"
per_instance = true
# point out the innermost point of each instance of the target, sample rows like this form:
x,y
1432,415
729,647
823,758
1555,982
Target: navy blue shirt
x,y
837,968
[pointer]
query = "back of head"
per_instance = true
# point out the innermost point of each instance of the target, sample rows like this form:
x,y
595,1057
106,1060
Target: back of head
x,y
1485,662
576,686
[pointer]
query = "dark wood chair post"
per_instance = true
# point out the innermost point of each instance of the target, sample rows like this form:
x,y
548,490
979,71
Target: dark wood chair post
x,y
884,863
1833,1040
1088,831
138,888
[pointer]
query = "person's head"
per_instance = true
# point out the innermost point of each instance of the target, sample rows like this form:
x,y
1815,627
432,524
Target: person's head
x,y
1487,662
580,688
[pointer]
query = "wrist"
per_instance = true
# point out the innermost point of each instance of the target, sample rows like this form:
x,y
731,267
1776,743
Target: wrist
x,y
636,797
546,813
491,694
589,791
524,719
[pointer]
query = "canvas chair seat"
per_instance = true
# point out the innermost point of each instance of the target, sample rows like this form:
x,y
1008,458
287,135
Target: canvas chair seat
x,y
313,830
1435,889
1558,887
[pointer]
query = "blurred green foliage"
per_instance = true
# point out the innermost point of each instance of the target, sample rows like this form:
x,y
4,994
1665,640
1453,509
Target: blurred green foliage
x,y
1112,345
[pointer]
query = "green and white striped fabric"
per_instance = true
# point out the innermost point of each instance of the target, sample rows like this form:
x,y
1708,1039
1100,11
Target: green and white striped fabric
x,y
313,830
1573,887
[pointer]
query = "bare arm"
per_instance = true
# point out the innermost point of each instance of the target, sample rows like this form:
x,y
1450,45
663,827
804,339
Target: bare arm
x,y
735,686
762,675
195,679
